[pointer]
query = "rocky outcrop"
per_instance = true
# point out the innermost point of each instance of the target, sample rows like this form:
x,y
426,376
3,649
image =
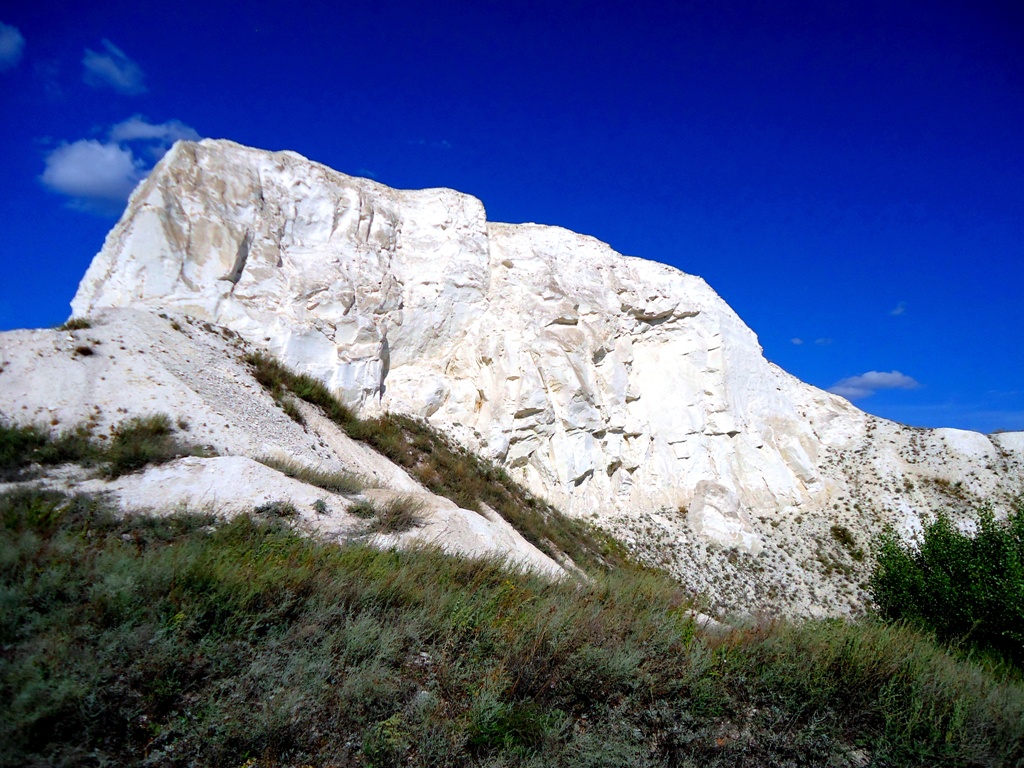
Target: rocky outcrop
x,y
618,388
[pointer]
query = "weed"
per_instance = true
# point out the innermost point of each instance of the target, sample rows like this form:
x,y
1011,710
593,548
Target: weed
x,y
279,509
75,324
364,509
847,541
336,481
136,443
21,446
292,410
278,380
140,442
399,514
954,490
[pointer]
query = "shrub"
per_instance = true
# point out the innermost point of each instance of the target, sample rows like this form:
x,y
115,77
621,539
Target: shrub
x,y
363,509
966,588
32,444
142,441
278,380
281,509
136,443
19,444
71,446
399,514
846,539
75,324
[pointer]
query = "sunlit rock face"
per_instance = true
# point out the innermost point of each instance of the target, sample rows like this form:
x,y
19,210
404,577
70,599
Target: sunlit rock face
x,y
614,386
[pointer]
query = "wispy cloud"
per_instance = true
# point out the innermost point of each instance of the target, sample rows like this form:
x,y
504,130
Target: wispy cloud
x,y
113,69
436,144
159,137
865,385
823,342
899,309
47,74
12,46
796,340
99,176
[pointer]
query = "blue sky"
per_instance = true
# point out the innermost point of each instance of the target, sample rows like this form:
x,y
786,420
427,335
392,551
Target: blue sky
x,y
848,176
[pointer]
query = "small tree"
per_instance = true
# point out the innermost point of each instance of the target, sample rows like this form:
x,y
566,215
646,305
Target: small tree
x,y
966,588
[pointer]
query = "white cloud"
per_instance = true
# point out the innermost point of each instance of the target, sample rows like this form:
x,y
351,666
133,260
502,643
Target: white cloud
x,y
823,342
899,309
113,70
92,170
100,175
12,46
796,341
865,385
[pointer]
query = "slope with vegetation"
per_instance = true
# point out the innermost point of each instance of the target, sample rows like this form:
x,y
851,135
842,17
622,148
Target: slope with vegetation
x,y
188,639
136,443
446,468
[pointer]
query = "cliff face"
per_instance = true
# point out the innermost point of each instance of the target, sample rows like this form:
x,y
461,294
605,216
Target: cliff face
x,y
618,388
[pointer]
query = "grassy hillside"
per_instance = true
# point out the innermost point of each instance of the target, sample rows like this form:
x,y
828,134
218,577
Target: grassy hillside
x,y
188,640
448,469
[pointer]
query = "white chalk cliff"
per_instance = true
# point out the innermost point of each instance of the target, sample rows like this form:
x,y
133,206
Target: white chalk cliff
x,y
617,388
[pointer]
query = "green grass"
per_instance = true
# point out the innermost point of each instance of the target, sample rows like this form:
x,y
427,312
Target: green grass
x,y
335,481
397,515
449,470
22,446
141,442
188,640
135,443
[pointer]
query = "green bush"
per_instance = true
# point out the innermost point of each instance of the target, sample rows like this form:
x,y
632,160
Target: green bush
x,y
967,588
397,515
143,441
21,446
136,443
